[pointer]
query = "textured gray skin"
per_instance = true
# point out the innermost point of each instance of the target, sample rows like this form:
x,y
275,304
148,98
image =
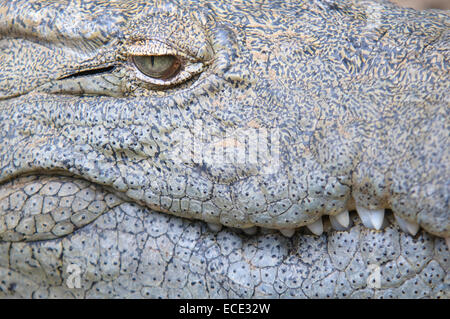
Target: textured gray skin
x,y
362,108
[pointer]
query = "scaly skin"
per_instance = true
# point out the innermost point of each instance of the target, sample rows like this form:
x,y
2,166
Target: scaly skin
x,y
96,168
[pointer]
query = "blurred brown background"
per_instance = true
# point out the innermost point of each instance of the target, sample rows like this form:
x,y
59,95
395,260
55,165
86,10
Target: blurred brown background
x,y
424,4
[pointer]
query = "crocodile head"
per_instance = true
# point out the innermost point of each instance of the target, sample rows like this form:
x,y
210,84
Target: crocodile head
x,y
128,125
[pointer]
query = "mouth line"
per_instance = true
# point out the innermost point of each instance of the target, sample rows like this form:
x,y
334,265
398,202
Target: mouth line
x,y
31,210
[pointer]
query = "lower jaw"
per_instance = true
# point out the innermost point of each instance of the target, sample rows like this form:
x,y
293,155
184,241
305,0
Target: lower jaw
x,y
132,252
126,250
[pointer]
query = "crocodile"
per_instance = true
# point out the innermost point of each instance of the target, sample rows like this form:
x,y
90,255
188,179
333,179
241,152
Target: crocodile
x,y
223,149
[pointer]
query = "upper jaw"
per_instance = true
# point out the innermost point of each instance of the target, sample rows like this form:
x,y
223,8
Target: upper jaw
x,y
288,196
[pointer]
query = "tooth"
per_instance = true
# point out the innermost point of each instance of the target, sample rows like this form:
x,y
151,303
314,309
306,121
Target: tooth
x,y
364,215
215,227
316,227
250,230
406,226
341,221
377,218
371,218
287,232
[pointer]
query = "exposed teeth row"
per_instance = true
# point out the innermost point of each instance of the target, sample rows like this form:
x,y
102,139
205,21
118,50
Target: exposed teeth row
x,y
339,222
371,218
316,228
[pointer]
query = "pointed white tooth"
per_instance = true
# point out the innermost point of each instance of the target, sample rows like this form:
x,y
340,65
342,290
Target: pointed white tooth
x,y
341,221
406,226
343,218
287,232
447,240
377,218
250,230
364,215
371,218
316,227
215,227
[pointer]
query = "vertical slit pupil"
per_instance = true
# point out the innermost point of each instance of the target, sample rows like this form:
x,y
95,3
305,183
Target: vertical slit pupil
x,y
152,59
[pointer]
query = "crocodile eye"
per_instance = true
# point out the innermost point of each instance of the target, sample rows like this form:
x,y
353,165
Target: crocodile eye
x,y
158,66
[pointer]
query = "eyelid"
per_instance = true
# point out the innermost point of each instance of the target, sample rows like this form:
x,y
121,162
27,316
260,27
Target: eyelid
x,y
158,48
191,65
